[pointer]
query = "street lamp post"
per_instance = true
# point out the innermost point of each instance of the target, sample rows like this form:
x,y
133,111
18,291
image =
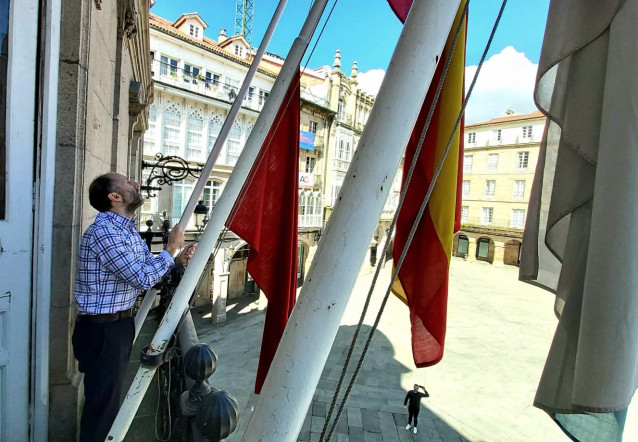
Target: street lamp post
x,y
201,215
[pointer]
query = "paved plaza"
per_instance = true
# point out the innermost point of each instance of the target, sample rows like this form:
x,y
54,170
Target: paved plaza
x,y
499,331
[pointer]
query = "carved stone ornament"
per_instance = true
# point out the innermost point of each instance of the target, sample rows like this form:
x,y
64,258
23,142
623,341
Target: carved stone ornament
x,y
98,4
130,19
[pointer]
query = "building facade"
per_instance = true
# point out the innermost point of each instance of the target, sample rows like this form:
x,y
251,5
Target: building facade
x,y
196,80
498,170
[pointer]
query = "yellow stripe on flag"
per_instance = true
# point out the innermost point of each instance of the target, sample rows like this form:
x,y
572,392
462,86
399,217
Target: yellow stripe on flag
x,y
442,205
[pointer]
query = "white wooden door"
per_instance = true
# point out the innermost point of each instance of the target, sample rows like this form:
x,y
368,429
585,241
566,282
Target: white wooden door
x,y
18,37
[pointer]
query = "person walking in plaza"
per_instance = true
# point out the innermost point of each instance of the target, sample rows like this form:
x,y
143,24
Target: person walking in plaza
x,y
114,265
414,397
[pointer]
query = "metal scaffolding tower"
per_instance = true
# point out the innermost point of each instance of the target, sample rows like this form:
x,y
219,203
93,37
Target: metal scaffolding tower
x,y
244,19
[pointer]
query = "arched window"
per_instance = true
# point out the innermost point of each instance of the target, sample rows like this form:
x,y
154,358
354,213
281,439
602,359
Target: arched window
x,y
194,137
211,193
172,135
233,145
463,245
150,136
249,129
483,248
310,209
214,127
181,193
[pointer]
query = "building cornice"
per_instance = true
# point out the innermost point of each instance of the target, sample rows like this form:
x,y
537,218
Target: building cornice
x,y
533,144
208,48
494,231
505,121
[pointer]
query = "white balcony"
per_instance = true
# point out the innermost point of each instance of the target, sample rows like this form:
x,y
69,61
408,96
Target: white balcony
x,y
340,165
174,76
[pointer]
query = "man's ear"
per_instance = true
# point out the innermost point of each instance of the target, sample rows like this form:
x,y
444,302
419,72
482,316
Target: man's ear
x,y
115,197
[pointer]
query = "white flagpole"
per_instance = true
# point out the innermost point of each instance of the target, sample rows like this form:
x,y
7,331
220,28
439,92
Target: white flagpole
x,y
230,119
219,214
140,317
308,337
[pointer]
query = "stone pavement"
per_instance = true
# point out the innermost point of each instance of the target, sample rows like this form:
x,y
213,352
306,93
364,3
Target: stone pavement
x,y
499,331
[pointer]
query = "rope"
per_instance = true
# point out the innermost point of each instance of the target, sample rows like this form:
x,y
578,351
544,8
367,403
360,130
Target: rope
x,y
251,176
218,244
386,246
249,180
412,231
262,154
167,419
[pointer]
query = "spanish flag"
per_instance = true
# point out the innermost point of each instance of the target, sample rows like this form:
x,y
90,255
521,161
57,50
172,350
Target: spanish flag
x,y
422,282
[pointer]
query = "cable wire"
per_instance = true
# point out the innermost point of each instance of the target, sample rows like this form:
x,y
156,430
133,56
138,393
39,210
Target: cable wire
x,y
394,220
412,231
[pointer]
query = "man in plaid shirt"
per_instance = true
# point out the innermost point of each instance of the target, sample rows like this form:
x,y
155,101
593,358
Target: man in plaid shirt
x,y
114,264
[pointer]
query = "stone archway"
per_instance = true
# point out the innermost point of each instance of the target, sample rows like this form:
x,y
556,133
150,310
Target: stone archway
x,y
239,280
461,245
485,249
512,252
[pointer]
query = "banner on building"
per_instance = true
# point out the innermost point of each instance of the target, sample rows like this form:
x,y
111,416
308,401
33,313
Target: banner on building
x,y
306,140
306,180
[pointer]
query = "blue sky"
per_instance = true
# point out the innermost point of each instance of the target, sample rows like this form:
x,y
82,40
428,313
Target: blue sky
x,y
369,34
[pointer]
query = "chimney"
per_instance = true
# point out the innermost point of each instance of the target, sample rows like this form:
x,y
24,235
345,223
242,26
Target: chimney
x,y
222,36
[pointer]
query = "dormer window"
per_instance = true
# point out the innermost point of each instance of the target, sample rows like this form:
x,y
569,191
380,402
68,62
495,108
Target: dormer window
x,y
239,50
191,24
193,30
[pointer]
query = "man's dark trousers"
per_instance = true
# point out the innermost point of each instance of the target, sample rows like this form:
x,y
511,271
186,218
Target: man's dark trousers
x,y
413,413
103,351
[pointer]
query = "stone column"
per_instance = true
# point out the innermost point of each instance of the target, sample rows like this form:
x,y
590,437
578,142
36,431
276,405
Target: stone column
x,y
499,253
471,249
219,288
221,294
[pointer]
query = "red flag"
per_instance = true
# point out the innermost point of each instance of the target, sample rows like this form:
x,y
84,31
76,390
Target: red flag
x,y
401,8
423,277
265,215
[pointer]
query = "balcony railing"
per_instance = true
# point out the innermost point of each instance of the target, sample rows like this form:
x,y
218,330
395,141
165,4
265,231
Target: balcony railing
x,y
311,220
175,76
314,99
340,165
344,118
496,222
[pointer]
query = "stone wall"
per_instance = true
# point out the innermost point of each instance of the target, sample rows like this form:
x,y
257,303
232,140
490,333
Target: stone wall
x,y
504,244
96,68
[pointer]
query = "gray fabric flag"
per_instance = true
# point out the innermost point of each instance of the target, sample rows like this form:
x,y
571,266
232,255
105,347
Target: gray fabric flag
x,y
581,233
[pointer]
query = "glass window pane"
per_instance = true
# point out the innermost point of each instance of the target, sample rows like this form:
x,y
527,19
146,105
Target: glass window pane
x,y
463,246
483,249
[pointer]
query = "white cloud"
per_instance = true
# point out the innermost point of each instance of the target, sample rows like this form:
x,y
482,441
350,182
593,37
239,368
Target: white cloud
x,y
506,81
370,81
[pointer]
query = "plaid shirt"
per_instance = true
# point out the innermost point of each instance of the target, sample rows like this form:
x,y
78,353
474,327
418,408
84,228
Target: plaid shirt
x,y
114,265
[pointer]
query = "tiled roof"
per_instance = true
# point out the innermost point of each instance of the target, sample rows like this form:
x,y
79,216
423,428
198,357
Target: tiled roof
x,y
508,119
166,26
194,15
